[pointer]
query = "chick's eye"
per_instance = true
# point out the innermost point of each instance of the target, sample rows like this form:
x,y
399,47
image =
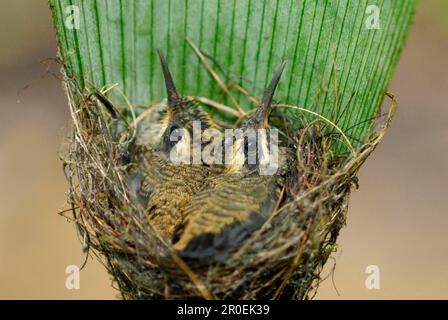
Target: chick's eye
x,y
249,148
248,145
175,132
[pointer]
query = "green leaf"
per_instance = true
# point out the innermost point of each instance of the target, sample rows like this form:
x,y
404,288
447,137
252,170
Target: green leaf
x,y
248,39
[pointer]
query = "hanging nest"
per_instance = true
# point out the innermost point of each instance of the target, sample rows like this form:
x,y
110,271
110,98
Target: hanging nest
x,y
283,259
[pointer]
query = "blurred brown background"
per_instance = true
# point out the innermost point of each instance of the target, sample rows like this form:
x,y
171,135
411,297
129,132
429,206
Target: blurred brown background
x,y
398,219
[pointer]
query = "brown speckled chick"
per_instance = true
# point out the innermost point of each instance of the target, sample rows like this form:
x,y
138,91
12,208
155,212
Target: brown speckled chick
x,y
232,205
166,178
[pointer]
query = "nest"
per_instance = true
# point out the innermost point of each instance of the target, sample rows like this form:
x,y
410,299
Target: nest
x,y
283,259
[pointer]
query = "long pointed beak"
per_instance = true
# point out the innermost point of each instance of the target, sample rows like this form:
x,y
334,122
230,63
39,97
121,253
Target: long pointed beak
x,y
260,117
173,96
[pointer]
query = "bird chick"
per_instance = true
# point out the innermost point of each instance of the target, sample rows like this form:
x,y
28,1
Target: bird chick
x,y
232,205
168,177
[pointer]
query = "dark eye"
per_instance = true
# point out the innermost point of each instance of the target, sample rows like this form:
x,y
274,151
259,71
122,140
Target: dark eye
x,y
172,135
249,145
250,151
173,129
176,132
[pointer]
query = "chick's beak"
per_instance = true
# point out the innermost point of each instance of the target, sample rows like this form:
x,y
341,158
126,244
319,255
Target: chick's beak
x,y
260,117
174,99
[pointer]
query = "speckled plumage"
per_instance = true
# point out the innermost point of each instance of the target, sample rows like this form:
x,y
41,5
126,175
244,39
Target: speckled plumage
x,y
225,212
234,204
162,186
168,188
